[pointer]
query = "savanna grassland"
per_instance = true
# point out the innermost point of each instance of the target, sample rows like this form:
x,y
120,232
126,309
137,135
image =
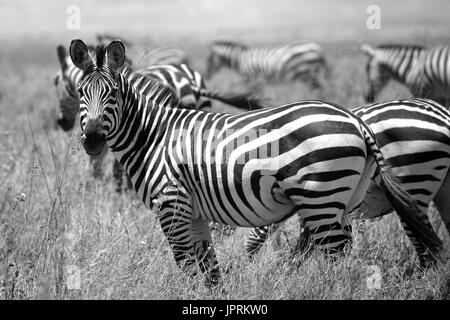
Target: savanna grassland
x,y
57,220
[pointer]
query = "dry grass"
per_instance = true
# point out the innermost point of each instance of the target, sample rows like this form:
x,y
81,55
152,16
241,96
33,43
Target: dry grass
x,y
55,218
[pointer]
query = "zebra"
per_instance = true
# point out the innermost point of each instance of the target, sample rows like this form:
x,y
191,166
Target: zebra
x,y
414,137
434,74
292,61
143,57
188,84
192,166
424,71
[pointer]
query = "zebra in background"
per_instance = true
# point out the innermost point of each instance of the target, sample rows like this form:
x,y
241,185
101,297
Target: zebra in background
x,y
187,83
190,87
193,166
425,72
143,57
414,137
434,74
288,62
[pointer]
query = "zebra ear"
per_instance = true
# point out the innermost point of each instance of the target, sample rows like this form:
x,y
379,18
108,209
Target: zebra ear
x,y
80,54
115,53
62,54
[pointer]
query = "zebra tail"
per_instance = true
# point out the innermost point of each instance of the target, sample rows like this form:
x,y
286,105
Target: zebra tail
x,y
243,100
367,49
403,203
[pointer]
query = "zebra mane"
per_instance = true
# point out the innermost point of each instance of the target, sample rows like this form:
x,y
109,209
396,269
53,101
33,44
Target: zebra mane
x,y
165,93
400,46
100,55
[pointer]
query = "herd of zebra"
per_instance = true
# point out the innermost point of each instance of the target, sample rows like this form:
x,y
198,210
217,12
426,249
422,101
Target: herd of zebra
x,y
259,167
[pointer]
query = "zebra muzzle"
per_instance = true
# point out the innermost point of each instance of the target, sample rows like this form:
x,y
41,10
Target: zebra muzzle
x,y
94,140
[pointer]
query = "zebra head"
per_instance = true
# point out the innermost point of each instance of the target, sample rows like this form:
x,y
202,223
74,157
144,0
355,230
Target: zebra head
x,y
66,91
387,62
98,90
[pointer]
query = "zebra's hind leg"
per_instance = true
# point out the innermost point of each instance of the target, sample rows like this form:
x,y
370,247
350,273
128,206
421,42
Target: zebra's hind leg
x,y
330,237
442,202
257,237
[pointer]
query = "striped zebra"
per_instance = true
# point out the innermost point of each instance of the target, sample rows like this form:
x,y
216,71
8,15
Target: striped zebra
x,y
143,57
414,137
250,169
292,61
190,87
187,83
425,72
434,74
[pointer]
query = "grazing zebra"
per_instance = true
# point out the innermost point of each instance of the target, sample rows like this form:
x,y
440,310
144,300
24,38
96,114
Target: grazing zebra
x,y
292,61
426,72
187,83
190,87
249,169
143,57
414,137
434,74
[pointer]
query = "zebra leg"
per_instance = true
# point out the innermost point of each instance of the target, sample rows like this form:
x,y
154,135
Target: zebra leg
x,y
442,202
204,251
176,226
330,238
257,237
118,173
190,239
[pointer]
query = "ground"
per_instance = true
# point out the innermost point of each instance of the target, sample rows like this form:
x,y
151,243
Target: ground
x,y
65,235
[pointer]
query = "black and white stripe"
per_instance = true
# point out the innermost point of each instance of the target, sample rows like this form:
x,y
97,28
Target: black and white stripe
x,y
309,157
142,56
434,74
426,72
414,137
396,62
292,61
188,84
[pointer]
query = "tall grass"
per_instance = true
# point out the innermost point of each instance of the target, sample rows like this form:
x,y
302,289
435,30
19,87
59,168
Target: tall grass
x,y
65,235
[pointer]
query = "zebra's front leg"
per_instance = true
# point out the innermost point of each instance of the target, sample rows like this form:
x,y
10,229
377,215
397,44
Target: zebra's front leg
x,y
190,239
204,251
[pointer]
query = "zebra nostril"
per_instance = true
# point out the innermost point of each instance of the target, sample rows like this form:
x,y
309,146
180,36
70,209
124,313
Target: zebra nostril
x,y
93,142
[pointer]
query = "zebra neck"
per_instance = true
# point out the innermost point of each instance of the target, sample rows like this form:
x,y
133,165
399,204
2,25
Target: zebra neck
x,y
402,64
232,56
137,140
